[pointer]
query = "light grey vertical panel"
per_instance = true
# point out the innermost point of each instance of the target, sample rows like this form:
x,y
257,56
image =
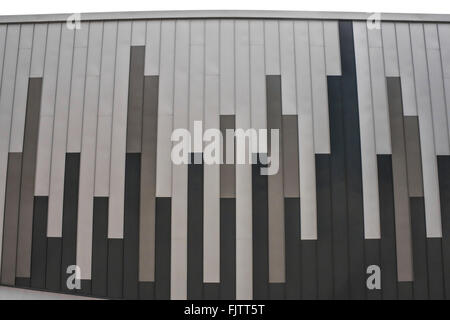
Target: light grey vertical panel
x,y
389,38
429,162
367,133
152,46
196,79
11,47
379,93
244,261
56,194
257,76
211,220
405,63
44,150
438,103
272,46
290,157
138,30
38,51
3,159
413,156
178,270
2,48
444,41
165,110
307,166
105,110
321,122
88,148
75,122
287,56
21,87
227,69
332,48
119,132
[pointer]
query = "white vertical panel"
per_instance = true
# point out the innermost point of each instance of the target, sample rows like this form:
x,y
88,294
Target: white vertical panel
x,y
119,131
38,51
367,132
21,88
77,89
444,41
429,162
178,274
390,49
44,147
272,46
152,46
227,63
332,48
88,147
211,200
406,69
56,195
138,30
165,110
379,93
308,206
438,103
287,57
105,110
257,76
319,88
9,61
244,261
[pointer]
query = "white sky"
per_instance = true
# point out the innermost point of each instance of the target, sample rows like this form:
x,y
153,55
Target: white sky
x,y
9,7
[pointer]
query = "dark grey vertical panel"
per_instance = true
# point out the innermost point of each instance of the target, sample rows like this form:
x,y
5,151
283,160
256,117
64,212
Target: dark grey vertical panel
x,y
115,268
435,272
400,182
24,241
290,157
372,251
12,198
39,242
146,290
444,190
338,191
131,226
211,291
352,161
292,232
387,223
162,248
195,228
227,171
309,269
53,265
324,227
100,247
260,233
135,99
228,248
70,215
419,243
413,156
405,290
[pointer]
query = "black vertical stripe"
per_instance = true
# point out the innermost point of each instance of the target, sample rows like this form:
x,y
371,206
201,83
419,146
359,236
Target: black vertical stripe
x,y
100,247
388,249
115,268
352,161
195,228
131,226
444,190
292,234
39,243
227,248
70,215
435,272
53,273
324,227
260,232
162,248
338,191
419,243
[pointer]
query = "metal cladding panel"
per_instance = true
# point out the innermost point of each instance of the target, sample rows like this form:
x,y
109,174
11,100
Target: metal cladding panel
x,y
352,129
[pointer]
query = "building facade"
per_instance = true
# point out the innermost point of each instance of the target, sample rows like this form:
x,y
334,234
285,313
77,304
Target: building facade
x,y
358,208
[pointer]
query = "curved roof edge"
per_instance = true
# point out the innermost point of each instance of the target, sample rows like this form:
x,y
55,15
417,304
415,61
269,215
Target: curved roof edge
x,y
225,14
